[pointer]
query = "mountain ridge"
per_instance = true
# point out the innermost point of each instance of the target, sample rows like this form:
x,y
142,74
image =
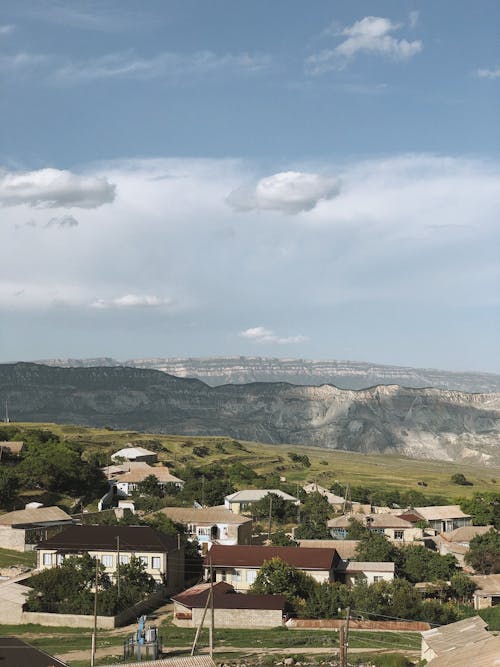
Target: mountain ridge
x,y
422,422
216,371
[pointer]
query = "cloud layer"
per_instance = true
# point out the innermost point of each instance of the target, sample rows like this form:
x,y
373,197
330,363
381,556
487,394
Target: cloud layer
x,y
54,188
262,335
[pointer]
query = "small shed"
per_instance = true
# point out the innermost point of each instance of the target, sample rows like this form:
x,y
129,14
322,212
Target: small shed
x,y
135,454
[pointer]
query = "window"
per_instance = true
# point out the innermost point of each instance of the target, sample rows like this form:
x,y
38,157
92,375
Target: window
x,y
223,576
107,560
236,575
191,528
251,576
47,559
204,532
399,534
377,578
124,559
144,560
59,559
156,562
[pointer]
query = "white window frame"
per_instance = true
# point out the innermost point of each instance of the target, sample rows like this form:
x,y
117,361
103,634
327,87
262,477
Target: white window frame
x,y
124,559
47,559
107,560
236,576
251,576
399,534
144,560
59,559
157,560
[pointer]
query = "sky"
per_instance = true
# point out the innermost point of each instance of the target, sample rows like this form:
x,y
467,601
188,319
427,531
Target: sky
x,y
187,178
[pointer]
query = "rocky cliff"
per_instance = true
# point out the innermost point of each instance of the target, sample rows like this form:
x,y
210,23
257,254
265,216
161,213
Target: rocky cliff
x,y
422,423
343,374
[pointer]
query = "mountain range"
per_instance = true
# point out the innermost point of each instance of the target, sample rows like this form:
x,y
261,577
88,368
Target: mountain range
x,y
216,371
421,423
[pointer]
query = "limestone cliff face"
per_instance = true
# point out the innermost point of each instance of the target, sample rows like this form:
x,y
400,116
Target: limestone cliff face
x,y
216,371
423,423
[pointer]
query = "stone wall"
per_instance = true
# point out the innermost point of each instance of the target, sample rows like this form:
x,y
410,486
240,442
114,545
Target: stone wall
x,y
235,618
12,538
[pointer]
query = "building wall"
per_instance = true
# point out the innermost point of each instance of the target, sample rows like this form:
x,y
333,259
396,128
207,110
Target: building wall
x,y
245,533
185,617
242,578
175,571
485,601
156,573
370,577
12,538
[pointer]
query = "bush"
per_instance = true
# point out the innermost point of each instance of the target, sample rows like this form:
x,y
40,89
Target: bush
x,y
459,478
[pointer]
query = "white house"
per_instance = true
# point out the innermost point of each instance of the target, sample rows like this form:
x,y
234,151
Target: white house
x,y
241,502
127,481
135,454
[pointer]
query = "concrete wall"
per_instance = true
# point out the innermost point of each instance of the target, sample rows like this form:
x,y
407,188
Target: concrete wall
x,y
352,578
84,621
228,618
12,538
334,624
247,576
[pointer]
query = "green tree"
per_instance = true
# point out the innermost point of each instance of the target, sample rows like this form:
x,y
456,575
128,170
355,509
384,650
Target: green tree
x,y
356,530
484,508
422,564
9,486
326,599
278,578
281,539
462,587
459,478
314,514
484,553
149,487
282,510
374,547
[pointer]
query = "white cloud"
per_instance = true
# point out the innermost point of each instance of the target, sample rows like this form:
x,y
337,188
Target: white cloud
x,y
6,29
485,73
263,335
372,35
176,66
288,192
14,63
131,301
54,188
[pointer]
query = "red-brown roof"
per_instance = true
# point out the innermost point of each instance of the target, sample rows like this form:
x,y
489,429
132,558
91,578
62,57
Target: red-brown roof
x,y
255,556
226,598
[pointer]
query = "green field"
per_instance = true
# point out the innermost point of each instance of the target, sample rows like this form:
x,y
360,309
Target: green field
x,y
378,471
9,557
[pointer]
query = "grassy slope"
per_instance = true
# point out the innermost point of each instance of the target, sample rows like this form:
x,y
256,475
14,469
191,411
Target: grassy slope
x,y
9,557
373,470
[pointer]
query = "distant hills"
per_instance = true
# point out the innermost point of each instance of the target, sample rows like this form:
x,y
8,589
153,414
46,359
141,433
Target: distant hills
x,y
343,374
422,423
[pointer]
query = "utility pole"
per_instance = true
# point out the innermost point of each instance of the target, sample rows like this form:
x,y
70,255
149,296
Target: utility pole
x,y
270,517
203,490
212,613
118,565
346,636
94,634
198,629
341,645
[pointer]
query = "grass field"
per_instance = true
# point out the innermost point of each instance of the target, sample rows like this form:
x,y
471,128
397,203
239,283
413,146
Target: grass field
x,y
378,471
9,557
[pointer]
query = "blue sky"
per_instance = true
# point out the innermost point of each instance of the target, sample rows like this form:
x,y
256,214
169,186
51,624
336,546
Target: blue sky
x,y
317,180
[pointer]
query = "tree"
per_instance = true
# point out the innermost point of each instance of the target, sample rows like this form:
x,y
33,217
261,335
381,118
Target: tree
x,y
9,486
356,530
326,599
484,553
149,487
462,586
374,547
315,512
422,564
278,578
281,510
281,539
459,478
484,508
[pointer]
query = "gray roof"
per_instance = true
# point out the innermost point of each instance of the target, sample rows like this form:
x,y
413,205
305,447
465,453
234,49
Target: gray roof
x,y
346,549
440,512
133,452
487,584
483,653
209,515
456,635
375,520
363,566
466,533
254,495
34,516
180,661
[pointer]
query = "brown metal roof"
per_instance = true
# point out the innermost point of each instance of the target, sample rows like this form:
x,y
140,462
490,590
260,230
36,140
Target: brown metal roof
x,y
226,598
97,538
255,556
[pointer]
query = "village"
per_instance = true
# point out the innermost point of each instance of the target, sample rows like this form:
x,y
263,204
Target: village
x,y
257,560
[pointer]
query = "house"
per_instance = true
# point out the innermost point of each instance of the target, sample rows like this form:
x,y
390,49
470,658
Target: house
x,y
231,609
135,454
12,448
15,652
241,502
21,530
390,525
212,525
446,638
162,555
456,542
484,653
352,572
133,474
487,593
239,565
444,518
